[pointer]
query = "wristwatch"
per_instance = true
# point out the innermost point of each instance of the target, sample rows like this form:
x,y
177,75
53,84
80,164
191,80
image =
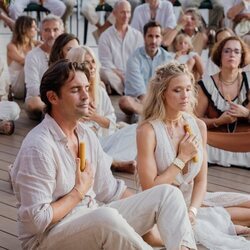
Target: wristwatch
x,y
179,163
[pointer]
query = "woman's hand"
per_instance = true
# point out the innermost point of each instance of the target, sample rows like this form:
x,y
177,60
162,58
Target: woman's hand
x,y
84,180
237,110
188,147
226,118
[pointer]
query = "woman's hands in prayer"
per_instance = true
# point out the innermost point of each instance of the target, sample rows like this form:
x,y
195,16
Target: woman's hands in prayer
x,y
187,147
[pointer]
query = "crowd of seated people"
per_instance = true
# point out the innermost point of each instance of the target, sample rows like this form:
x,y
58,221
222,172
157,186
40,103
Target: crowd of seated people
x,y
168,71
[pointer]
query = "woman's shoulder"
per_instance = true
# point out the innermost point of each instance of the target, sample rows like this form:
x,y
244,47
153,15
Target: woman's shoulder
x,y
145,127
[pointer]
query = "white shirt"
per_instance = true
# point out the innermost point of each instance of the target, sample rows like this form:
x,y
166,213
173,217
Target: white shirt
x,y
44,171
36,63
164,15
114,51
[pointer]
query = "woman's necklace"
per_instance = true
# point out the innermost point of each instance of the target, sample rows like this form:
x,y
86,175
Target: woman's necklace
x,y
170,128
227,83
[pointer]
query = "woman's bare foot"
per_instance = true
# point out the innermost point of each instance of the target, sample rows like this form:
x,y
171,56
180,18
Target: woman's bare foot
x,y
124,166
242,230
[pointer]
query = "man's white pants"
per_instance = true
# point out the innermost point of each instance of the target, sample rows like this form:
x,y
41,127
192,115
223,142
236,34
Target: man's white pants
x,y
119,224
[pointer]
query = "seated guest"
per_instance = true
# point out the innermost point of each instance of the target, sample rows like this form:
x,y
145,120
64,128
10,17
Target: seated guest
x,y
211,67
170,153
192,24
216,14
239,14
36,63
101,118
16,8
184,53
22,42
57,206
116,44
223,104
88,10
154,10
141,66
62,45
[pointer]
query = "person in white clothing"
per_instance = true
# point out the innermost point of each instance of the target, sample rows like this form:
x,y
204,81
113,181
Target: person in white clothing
x,y
57,206
116,44
171,145
36,63
56,7
88,10
154,10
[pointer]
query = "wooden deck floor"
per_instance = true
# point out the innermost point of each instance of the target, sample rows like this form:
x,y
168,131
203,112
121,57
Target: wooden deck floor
x,y
219,179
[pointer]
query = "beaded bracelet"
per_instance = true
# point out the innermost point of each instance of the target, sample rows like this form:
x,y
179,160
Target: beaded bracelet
x,y
79,192
193,210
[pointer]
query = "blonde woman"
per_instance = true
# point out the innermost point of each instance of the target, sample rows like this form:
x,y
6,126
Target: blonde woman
x,y
101,116
170,154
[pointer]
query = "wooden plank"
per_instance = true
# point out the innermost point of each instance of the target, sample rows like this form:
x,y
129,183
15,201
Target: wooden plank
x,y
8,241
233,170
8,199
218,188
8,211
9,149
6,187
4,175
4,165
7,157
8,226
228,183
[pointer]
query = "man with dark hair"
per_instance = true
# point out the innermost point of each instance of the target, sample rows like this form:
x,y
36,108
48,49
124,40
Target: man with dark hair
x,y
141,66
57,206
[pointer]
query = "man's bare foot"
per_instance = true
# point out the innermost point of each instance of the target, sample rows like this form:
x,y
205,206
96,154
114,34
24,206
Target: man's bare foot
x,y
242,230
124,166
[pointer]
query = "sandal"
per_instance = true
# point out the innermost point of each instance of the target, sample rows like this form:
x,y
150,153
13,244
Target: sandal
x,y
7,127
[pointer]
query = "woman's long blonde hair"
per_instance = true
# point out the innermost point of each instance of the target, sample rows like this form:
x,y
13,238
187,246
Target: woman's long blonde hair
x,y
78,55
154,105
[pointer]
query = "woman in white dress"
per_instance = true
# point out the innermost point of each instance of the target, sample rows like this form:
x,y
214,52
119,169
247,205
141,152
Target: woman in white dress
x,y
170,154
101,117
23,40
224,105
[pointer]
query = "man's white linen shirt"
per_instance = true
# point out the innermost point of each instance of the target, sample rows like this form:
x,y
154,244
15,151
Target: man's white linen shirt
x,y
114,51
36,63
164,15
44,171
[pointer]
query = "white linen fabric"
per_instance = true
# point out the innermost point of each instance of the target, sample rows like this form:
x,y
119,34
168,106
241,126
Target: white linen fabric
x,y
213,228
36,63
9,110
114,52
164,15
44,171
16,8
106,109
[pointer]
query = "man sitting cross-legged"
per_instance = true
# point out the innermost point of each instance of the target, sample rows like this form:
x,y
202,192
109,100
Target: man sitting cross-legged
x,y
57,206
141,66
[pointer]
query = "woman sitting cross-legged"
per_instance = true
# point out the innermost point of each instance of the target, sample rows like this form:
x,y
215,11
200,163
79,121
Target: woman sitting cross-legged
x,y
101,116
223,104
171,144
